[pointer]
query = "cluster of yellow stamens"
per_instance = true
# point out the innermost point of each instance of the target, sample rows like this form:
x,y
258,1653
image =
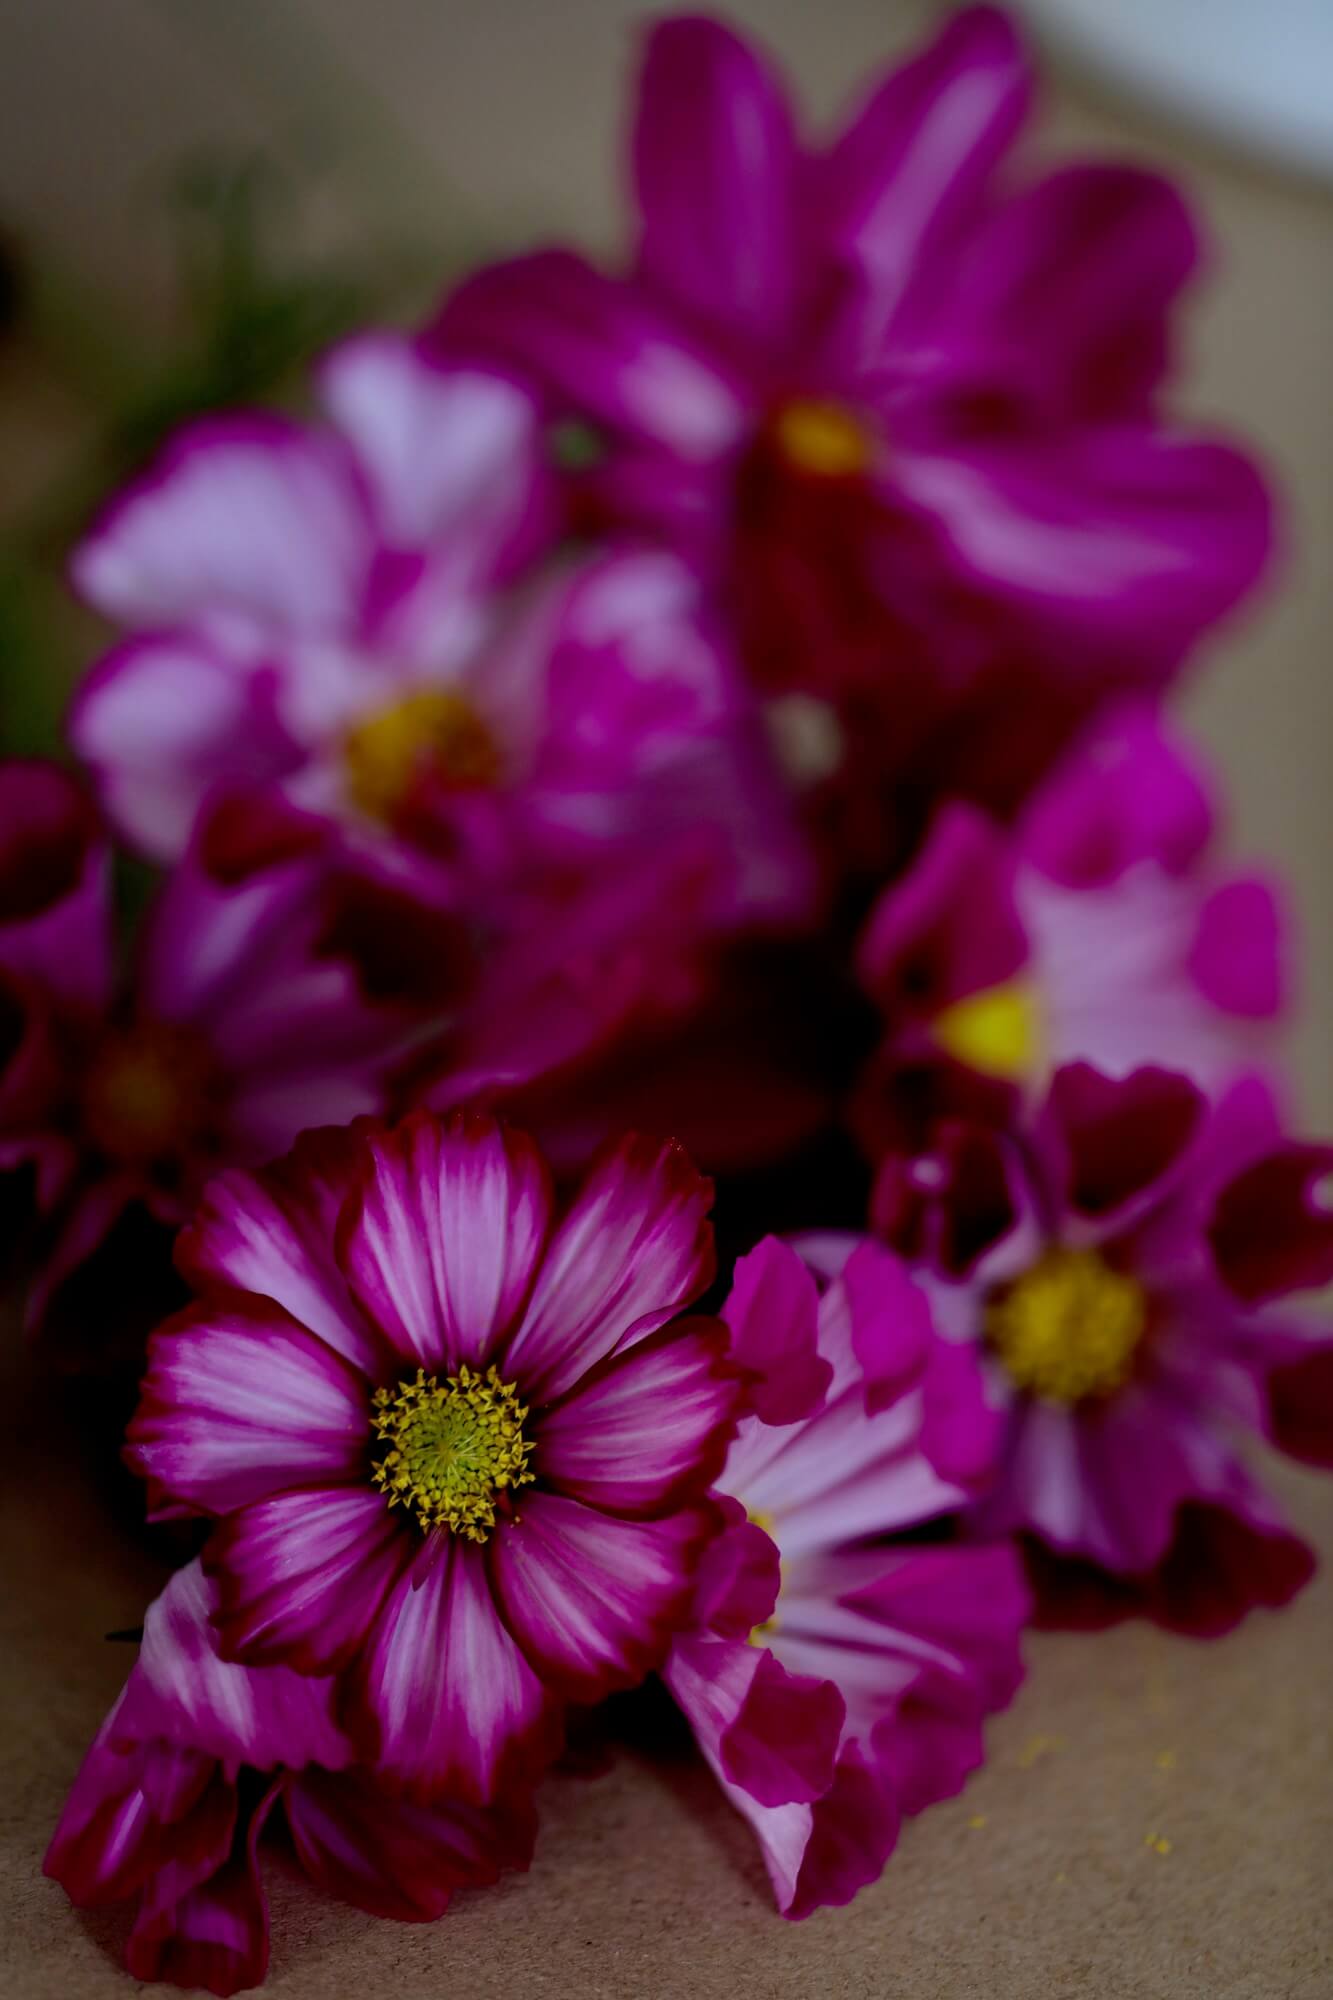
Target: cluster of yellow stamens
x,y
823,438
435,733
453,1445
1068,1328
996,1031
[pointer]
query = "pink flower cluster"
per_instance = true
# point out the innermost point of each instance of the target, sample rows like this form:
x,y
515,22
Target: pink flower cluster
x,y
708,710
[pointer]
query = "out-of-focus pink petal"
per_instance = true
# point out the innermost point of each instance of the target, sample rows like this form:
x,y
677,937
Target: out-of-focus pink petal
x,y
948,927
715,170
55,885
1236,958
1125,793
1300,1405
162,720
1119,1139
647,1430
594,1599
446,452
239,1402
440,1249
599,348
451,1701
916,159
1272,1226
241,515
773,1312
1063,292
1119,540
635,1247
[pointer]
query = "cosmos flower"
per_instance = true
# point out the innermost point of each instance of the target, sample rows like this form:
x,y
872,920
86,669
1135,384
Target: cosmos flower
x,y
320,612
905,409
456,1448
244,1018
191,1765
1100,928
1132,1280
836,1677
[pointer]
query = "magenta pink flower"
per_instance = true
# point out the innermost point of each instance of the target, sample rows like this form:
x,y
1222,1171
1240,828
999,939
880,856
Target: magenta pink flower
x,y
244,1019
454,1450
1099,929
187,1771
1126,1277
835,1678
319,612
906,409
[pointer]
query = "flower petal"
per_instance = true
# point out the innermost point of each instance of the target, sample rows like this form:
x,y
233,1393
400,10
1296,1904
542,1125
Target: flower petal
x,y
635,1247
440,1247
247,515
239,1401
446,451
183,1692
445,1693
1119,1140
397,1857
271,1233
715,168
55,883
773,1734
648,1430
300,1576
773,1312
917,157
213,1932
1272,1227
161,721
593,1599
1123,541
600,349
1236,959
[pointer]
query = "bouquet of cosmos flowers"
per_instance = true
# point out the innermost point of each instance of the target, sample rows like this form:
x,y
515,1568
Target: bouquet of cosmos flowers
x,y
664,742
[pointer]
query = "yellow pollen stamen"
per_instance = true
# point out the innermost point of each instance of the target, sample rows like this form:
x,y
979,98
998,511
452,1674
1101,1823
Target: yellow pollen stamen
x,y
452,1445
996,1031
434,733
823,438
1069,1327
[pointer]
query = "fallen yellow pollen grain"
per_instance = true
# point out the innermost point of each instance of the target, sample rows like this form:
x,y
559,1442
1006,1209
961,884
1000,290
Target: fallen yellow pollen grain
x,y
1158,1843
1038,1747
977,1821
1165,1760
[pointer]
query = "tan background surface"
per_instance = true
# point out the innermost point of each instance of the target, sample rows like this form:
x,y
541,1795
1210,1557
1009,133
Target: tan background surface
x,y
483,126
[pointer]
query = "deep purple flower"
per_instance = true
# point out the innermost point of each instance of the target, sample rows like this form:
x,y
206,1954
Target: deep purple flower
x,y
835,1676
906,409
453,1445
1131,1272
193,1762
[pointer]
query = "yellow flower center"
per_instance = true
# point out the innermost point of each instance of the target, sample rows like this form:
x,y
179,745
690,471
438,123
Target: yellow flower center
x,y
997,1031
823,438
1069,1327
147,1092
435,733
451,1446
